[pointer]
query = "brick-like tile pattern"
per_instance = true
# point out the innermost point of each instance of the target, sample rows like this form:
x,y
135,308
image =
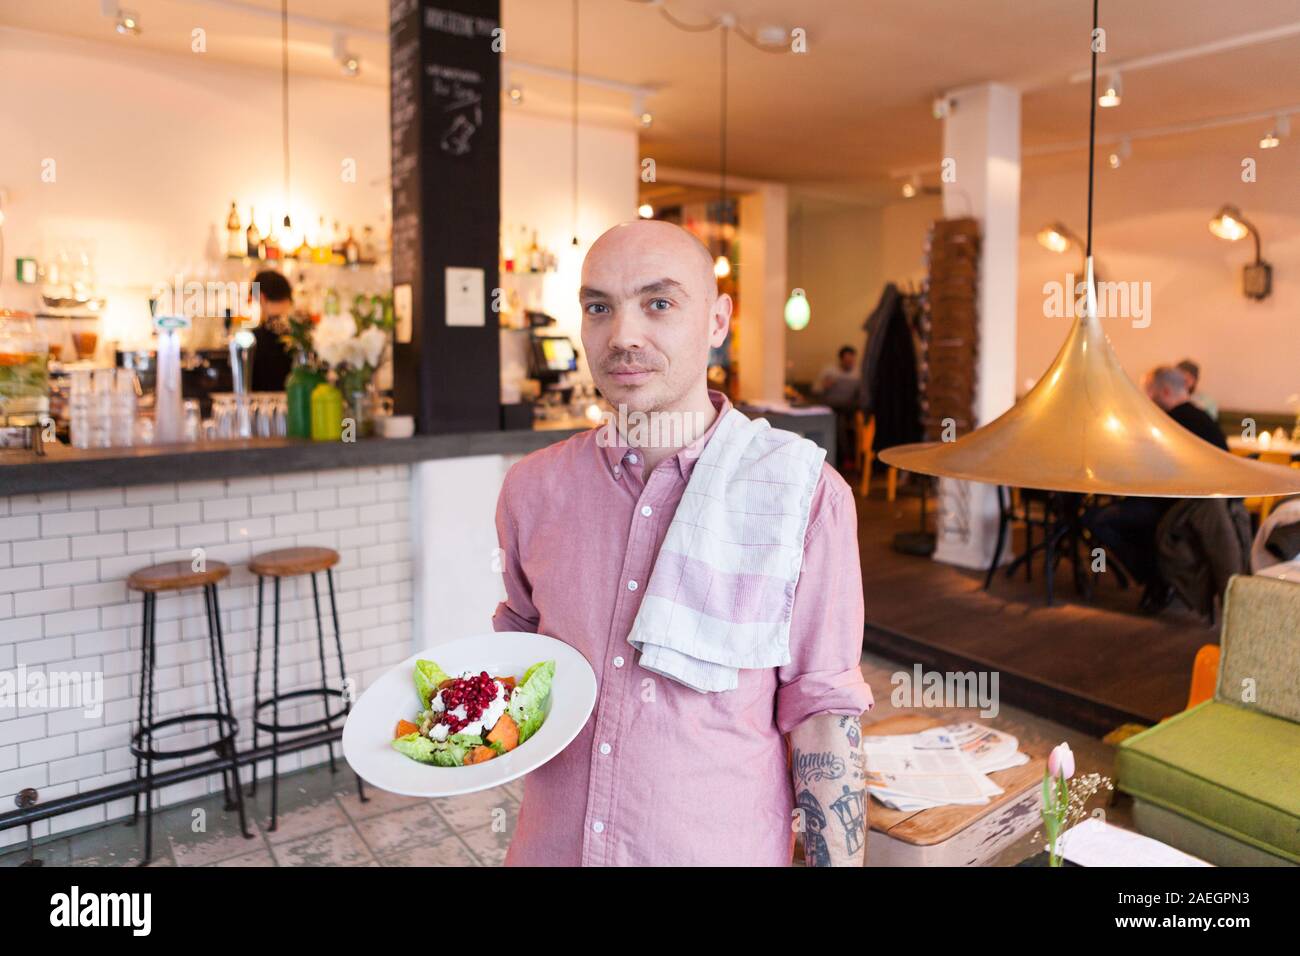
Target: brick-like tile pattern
x,y
64,607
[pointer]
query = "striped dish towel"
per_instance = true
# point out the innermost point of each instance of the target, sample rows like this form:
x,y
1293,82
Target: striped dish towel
x,y
722,588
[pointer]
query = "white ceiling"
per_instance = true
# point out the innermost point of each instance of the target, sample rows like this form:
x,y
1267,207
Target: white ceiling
x,y
838,118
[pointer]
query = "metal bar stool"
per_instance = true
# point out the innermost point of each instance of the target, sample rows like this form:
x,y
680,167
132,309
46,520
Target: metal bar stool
x,y
291,562
151,581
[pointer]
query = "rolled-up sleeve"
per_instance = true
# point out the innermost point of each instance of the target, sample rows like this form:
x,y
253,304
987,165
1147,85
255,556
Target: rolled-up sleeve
x,y
824,674
516,612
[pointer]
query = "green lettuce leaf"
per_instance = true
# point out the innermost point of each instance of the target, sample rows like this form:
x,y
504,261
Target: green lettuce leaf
x,y
465,741
428,676
527,705
421,748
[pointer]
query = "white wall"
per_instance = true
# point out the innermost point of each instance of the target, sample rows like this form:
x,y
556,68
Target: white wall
x,y
149,150
1150,226
537,192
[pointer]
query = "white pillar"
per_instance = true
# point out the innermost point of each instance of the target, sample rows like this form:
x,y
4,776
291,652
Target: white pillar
x,y
981,142
762,293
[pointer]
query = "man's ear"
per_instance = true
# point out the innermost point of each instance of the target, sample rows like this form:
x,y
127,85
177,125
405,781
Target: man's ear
x,y
720,320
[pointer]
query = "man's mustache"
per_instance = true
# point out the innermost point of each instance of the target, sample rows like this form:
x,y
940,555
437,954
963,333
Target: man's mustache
x,y
630,362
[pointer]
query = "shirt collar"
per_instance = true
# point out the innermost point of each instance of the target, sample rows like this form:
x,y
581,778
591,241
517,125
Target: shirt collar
x,y
619,455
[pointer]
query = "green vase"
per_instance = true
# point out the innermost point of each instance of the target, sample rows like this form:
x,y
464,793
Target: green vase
x,y
298,388
326,413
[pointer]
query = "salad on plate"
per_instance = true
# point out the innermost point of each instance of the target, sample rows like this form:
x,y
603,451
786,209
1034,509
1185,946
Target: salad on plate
x,y
474,717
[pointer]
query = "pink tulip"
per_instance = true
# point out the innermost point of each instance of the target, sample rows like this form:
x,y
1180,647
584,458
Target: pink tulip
x,y
1060,762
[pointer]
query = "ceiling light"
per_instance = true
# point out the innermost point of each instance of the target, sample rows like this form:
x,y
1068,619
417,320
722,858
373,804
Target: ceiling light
x,y
516,94
1113,93
722,267
348,61
127,23
1120,153
1273,138
797,311
912,186
646,118
1055,238
646,211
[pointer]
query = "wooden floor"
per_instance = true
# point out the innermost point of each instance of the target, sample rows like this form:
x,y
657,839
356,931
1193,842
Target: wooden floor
x,y
1092,666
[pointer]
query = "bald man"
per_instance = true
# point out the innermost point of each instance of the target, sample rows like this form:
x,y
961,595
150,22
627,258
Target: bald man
x,y
662,773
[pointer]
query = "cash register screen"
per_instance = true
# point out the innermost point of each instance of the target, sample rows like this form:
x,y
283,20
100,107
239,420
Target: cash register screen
x,y
558,354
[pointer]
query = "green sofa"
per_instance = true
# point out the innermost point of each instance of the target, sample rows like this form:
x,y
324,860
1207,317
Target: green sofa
x,y
1222,780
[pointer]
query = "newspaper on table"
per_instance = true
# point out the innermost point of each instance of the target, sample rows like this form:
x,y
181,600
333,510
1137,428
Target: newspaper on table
x,y
939,766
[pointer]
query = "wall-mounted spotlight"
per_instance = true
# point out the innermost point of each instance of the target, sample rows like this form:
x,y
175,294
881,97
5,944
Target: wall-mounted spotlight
x,y
1120,153
646,119
516,94
912,186
1113,94
1256,278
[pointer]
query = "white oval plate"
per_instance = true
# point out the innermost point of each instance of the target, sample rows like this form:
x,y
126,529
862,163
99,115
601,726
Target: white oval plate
x,y
368,733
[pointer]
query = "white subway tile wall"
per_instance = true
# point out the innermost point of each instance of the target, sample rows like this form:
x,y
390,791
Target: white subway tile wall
x,y
65,609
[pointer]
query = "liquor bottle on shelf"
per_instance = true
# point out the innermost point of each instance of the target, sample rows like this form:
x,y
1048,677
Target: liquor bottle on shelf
x,y
235,247
320,250
253,238
271,245
535,262
351,249
507,252
369,254
337,256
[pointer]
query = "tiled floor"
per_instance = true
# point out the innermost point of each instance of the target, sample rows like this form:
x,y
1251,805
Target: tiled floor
x,y
322,823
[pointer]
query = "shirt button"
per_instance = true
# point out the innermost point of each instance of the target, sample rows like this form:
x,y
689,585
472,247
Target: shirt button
x,y
631,585
598,827
647,511
604,748
617,472
631,457
618,662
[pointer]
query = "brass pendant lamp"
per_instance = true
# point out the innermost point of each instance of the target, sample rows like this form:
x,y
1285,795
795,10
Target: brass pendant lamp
x,y
1086,428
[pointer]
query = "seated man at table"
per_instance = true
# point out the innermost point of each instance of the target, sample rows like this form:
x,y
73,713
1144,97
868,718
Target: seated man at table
x,y
1127,528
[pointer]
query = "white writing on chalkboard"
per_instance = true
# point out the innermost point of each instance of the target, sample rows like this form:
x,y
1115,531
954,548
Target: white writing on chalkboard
x,y
457,24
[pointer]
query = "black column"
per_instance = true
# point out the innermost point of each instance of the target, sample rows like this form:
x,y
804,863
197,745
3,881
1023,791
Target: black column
x,y
446,127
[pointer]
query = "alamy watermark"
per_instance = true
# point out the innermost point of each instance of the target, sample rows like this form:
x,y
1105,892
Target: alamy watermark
x,y
45,690
930,689
1115,300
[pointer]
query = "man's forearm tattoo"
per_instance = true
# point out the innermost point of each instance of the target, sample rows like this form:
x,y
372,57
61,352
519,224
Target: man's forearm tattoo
x,y
815,850
810,767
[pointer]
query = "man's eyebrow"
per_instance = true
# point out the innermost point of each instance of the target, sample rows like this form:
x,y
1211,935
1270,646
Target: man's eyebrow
x,y
587,292
662,285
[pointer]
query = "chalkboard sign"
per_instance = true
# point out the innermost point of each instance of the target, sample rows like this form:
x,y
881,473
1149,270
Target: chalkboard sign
x,y
446,168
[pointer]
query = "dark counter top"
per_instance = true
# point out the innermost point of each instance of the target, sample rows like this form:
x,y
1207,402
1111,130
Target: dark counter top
x,y
64,468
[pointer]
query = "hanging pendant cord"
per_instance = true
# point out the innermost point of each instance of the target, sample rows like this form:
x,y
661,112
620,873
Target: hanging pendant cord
x,y
574,96
284,100
722,211
1092,125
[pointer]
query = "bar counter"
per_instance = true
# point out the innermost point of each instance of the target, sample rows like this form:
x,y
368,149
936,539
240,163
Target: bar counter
x,y
64,468
413,522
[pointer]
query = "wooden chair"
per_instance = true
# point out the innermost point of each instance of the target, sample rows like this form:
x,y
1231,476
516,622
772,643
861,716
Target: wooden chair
x,y
1205,674
866,429
1260,507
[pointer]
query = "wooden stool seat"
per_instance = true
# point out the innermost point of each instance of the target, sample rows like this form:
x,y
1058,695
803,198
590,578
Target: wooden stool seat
x,y
289,562
176,576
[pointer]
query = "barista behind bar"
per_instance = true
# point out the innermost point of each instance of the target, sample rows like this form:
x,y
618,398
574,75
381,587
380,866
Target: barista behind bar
x,y
271,361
